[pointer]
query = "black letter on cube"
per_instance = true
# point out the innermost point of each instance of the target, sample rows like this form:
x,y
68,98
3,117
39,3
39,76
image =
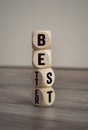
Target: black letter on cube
x,y
36,97
36,77
40,58
49,77
41,39
49,92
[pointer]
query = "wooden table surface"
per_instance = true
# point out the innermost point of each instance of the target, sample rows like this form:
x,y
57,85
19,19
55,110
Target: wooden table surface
x,y
69,112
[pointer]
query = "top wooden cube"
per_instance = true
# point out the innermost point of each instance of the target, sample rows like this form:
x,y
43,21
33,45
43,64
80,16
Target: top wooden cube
x,y
41,40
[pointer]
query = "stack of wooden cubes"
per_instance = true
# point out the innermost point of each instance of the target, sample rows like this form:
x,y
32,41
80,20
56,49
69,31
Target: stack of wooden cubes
x,y
44,77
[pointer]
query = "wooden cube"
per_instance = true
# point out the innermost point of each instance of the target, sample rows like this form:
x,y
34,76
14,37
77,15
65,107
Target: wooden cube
x,y
41,58
44,77
43,96
41,40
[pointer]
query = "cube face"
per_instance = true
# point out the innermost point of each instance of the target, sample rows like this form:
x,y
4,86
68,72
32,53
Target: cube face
x,y
44,77
41,40
43,96
41,58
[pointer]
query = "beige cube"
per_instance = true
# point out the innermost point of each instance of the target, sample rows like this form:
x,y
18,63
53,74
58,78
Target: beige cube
x,y
43,96
43,77
41,40
41,59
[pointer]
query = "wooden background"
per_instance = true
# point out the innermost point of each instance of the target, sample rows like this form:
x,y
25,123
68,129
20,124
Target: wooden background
x,y
69,112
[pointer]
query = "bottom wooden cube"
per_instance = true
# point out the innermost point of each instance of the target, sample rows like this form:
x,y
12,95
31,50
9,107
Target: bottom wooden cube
x,y
43,96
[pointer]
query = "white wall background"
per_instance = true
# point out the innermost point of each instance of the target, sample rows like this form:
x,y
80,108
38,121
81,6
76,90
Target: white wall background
x,y
67,20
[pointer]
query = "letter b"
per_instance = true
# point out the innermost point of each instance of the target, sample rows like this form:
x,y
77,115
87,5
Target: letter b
x,y
41,40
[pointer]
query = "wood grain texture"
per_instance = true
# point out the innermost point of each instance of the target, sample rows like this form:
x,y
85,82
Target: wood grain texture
x,y
69,112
